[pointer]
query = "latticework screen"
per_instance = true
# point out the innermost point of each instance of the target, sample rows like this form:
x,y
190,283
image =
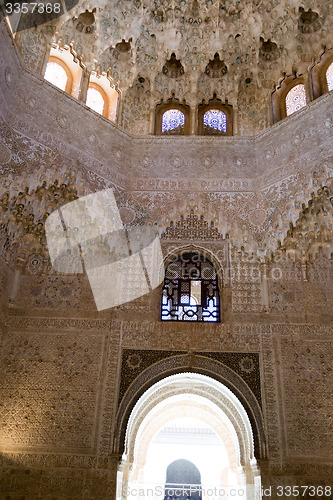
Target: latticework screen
x,y
190,291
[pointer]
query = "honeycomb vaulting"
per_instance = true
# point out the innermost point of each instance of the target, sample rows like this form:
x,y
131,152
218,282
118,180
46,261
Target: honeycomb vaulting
x,y
256,42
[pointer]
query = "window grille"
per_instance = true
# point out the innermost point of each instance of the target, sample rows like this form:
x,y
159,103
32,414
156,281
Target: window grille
x,y
295,99
190,291
173,122
215,121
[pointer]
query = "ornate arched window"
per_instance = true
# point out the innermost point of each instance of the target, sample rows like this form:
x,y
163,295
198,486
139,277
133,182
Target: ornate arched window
x,y
64,70
58,75
329,77
214,118
322,74
290,95
190,290
96,100
103,96
172,117
295,99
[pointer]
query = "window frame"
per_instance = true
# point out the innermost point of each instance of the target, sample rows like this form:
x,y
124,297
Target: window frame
x,y
203,291
103,83
326,81
217,104
318,74
172,103
278,96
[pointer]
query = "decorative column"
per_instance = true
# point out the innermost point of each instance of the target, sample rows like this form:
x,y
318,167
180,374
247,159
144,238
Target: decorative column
x,y
305,270
84,85
45,60
264,287
116,474
193,118
151,117
235,121
193,102
119,109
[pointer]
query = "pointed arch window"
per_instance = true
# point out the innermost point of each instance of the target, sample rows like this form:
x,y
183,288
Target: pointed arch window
x,y
190,290
295,99
172,117
215,118
322,74
289,96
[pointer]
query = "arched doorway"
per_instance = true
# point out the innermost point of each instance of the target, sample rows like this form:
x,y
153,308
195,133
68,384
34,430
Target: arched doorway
x,y
183,479
214,405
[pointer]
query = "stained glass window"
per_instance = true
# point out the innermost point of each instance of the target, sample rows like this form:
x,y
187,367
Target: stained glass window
x,y
173,122
95,100
56,75
190,291
329,77
215,120
296,99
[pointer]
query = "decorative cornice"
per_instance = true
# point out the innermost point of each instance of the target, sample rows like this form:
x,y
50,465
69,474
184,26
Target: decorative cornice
x,y
40,323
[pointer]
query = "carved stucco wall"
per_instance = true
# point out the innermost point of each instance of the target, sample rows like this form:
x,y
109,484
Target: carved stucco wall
x,y
60,359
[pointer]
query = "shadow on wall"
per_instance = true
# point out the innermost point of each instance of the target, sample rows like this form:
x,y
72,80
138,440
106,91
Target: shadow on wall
x,y
65,477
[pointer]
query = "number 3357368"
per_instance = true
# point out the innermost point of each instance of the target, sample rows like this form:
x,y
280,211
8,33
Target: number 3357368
x,y
25,8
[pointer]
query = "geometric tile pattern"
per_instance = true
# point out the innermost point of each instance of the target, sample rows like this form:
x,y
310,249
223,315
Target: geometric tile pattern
x,y
309,366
